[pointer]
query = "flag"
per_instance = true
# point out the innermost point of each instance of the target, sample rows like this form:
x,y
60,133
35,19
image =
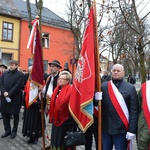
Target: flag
x,y
81,101
36,77
37,68
32,38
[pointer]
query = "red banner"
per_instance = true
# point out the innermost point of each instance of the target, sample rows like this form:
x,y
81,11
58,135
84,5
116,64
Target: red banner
x,y
81,101
37,73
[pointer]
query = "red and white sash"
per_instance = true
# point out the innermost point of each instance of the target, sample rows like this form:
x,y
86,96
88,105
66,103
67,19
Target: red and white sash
x,y
146,101
119,103
120,106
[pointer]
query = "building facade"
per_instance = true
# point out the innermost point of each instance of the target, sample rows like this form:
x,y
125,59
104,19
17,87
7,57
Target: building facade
x,y
57,38
9,32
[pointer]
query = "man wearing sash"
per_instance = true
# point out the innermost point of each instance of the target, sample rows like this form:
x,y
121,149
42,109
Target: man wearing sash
x,y
119,111
143,138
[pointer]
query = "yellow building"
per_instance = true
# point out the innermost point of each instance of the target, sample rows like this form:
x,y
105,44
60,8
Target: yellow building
x,y
9,32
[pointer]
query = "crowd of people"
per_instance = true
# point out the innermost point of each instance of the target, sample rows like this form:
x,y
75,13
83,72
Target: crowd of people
x,y
125,112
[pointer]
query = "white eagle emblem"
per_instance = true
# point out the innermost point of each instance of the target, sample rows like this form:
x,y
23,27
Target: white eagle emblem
x,y
80,68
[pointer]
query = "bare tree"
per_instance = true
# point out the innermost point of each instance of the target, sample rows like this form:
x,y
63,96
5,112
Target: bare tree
x,y
124,35
77,16
138,27
39,6
29,14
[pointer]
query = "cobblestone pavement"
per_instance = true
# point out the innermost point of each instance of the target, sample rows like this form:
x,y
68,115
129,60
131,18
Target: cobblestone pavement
x,y
20,142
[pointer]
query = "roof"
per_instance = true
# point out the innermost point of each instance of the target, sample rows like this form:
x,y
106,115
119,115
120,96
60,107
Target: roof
x,y
7,7
48,17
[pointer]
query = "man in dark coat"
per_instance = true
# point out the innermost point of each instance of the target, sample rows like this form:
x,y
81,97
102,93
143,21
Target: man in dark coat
x,y
119,111
51,81
11,86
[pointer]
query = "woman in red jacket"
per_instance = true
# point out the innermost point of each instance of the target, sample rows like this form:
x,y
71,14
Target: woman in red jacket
x,y
59,111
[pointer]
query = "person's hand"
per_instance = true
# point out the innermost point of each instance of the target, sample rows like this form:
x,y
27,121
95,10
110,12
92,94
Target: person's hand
x,y
47,109
130,136
40,88
98,96
22,107
5,94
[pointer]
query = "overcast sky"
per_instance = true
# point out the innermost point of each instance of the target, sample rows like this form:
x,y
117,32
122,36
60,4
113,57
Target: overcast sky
x,y
59,6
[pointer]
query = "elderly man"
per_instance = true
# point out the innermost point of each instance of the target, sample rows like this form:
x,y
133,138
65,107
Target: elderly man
x,y
11,86
119,111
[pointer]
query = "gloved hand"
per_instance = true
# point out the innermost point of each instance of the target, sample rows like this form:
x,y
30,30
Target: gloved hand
x,y
130,136
98,96
8,99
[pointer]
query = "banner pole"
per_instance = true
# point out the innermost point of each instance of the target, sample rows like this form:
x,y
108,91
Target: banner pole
x,y
42,119
98,80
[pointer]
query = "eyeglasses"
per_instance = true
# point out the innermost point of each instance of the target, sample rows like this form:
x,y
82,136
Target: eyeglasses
x,y
62,79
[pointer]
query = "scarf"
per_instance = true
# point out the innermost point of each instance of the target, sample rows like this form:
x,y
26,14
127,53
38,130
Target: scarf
x,y
59,110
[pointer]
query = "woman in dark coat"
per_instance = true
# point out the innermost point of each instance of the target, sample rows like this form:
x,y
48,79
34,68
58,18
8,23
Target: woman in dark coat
x,y
32,126
59,111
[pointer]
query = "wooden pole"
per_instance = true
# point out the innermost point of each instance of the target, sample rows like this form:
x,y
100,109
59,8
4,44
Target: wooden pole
x,y
98,80
42,120
73,58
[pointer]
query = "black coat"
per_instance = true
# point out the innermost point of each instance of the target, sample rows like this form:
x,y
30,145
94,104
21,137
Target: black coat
x,y
111,122
11,82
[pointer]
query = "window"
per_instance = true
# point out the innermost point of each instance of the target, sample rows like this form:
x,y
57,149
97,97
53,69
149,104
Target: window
x,y
7,31
45,63
6,58
45,40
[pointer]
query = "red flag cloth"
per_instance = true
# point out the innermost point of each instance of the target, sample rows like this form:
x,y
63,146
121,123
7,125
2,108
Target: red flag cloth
x,y
81,101
37,73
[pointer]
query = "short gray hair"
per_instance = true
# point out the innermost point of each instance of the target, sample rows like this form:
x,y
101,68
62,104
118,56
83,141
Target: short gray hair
x,y
67,73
